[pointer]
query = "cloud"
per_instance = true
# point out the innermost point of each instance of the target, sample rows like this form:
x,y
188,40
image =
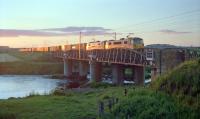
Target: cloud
x,y
77,29
16,33
167,31
54,31
85,30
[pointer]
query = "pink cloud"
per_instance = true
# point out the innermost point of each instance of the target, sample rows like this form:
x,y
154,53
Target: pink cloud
x,y
54,31
167,31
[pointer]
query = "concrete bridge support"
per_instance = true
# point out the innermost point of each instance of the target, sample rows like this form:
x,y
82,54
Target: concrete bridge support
x,y
75,67
83,68
153,74
67,67
139,75
117,74
95,71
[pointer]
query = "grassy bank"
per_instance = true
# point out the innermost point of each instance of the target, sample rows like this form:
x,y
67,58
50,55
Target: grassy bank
x,y
174,95
139,103
32,64
183,83
31,68
70,106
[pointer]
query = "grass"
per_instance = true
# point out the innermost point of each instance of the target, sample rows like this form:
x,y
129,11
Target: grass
x,y
72,106
148,104
32,64
100,85
183,83
140,103
172,96
31,68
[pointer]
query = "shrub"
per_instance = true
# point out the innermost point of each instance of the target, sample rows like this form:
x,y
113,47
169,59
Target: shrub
x,y
7,115
105,97
100,85
58,93
183,83
145,105
32,94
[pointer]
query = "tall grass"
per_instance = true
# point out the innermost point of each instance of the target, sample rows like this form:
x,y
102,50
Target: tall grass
x,y
182,82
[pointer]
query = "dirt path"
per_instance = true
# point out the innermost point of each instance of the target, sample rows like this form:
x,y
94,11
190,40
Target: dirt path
x,y
7,58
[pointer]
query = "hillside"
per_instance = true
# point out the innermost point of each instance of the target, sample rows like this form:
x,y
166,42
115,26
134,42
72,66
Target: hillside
x,y
35,63
4,57
183,82
172,96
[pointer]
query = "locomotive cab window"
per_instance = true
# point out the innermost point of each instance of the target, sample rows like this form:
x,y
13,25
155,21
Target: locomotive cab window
x,y
137,41
117,43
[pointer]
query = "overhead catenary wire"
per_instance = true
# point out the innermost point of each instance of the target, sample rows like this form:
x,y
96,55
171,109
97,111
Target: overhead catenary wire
x,y
182,22
175,23
150,25
158,19
169,25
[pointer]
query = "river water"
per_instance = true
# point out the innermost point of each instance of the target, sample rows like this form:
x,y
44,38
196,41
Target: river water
x,y
23,85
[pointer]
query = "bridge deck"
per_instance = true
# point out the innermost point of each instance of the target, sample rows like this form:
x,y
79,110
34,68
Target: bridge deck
x,y
115,56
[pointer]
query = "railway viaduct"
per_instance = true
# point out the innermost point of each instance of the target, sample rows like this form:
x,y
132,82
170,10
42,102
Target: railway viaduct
x,y
159,60
91,61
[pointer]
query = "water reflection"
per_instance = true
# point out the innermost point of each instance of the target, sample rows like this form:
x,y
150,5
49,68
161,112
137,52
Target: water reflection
x,y
23,85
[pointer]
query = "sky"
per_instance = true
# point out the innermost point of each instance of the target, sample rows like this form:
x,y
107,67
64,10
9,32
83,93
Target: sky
x,y
36,23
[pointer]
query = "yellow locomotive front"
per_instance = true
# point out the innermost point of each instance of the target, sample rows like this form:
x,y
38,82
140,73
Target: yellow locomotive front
x,y
128,43
136,43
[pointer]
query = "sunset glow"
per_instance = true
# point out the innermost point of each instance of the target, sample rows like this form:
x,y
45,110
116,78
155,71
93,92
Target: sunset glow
x,y
28,23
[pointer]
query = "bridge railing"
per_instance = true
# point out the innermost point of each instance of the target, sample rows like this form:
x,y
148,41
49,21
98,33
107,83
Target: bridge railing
x,y
118,56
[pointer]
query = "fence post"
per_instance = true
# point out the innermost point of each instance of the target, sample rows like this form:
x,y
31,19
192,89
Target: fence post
x,y
101,108
110,105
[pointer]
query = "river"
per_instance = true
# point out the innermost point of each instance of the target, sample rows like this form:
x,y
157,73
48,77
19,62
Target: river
x,y
23,85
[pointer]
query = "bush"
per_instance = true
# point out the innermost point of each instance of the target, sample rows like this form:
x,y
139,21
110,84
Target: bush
x,y
58,93
32,94
100,85
7,115
183,83
73,85
146,105
104,97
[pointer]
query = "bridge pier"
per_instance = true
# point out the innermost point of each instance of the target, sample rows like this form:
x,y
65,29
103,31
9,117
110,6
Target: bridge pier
x,y
139,75
67,67
75,67
117,74
83,68
95,71
153,73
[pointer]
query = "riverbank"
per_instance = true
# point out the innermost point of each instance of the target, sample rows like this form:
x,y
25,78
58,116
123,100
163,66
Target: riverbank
x,y
174,95
71,105
30,64
31,68
85,104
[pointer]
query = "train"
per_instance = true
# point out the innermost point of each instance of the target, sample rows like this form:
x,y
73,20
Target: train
x,y
129,43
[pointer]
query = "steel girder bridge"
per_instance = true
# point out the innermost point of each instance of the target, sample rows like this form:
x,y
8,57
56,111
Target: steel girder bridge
x,y
116,56
119,58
